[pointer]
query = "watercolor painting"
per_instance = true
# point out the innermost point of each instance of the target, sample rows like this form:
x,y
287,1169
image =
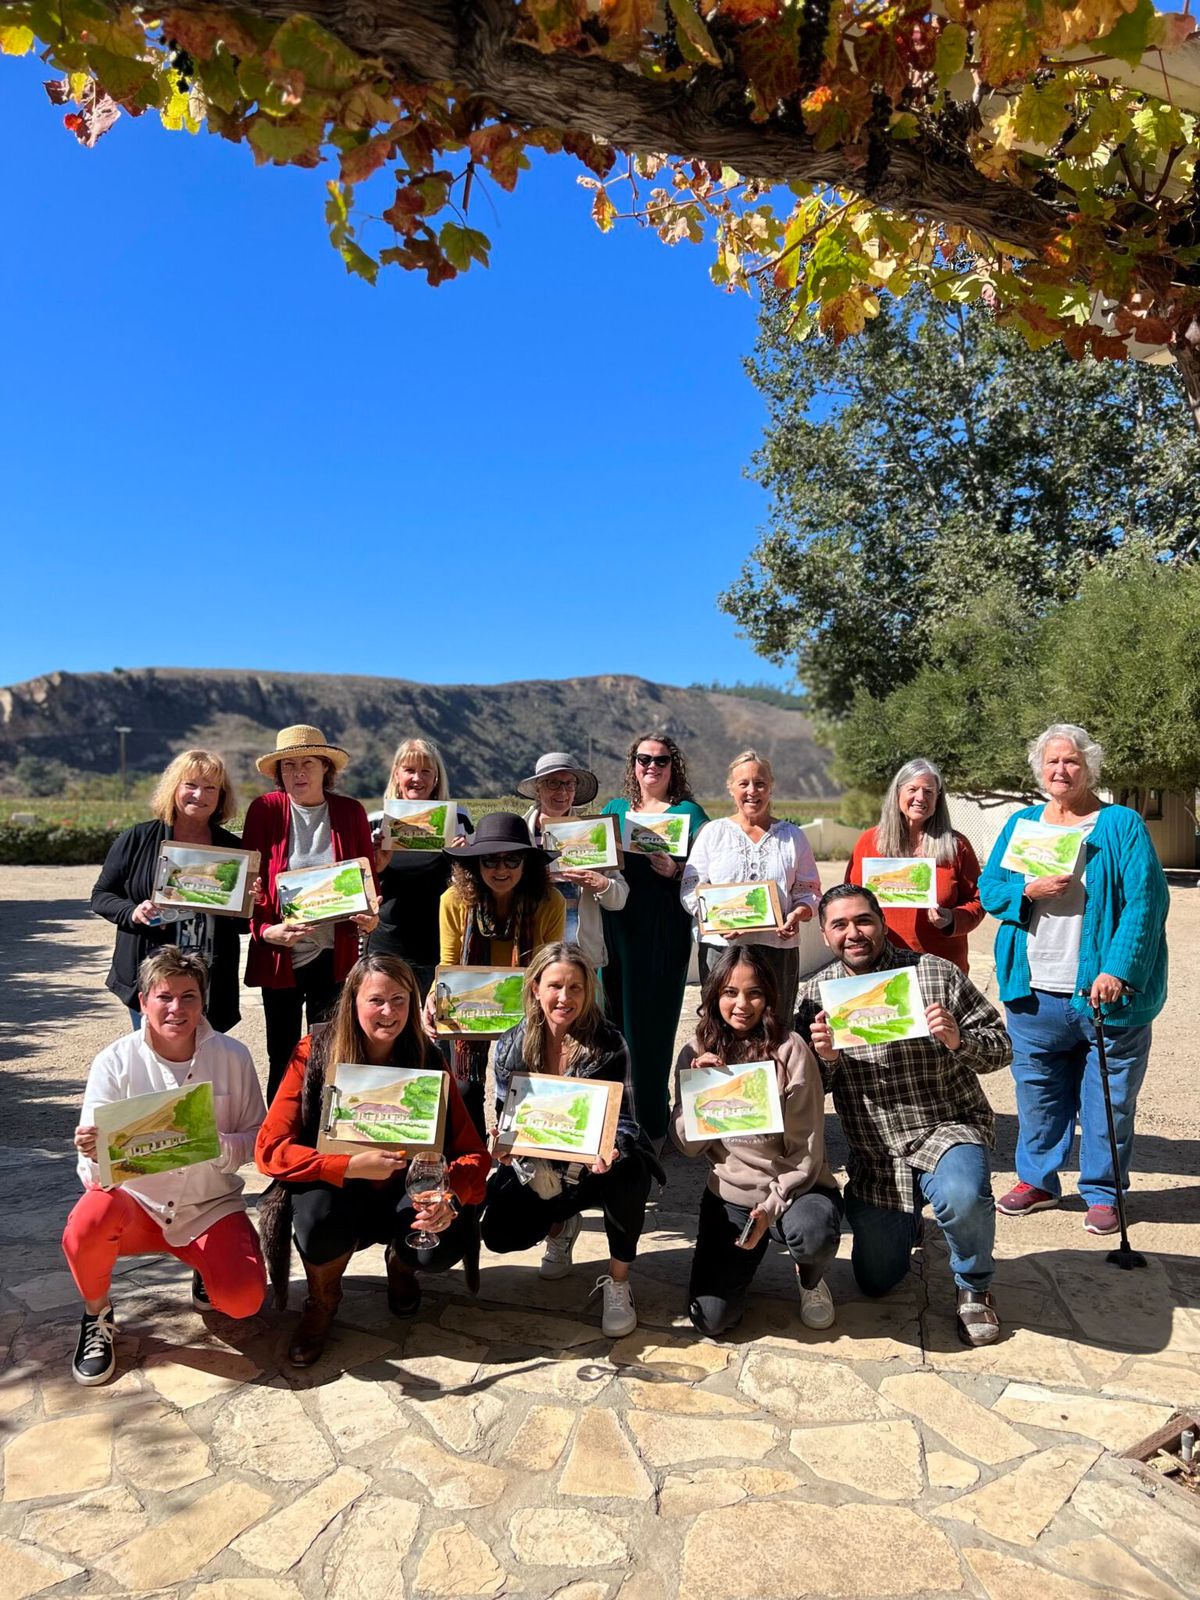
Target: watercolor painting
x,y
582,842
723,1102
384,1105
653,833
568,1117
738,907
213,880
156,1133
1040,850
323,894
420,824
483,1001
901,880
875,1007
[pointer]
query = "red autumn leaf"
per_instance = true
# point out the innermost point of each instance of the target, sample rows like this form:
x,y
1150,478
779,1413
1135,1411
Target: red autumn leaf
x,y
598,158
406,210
484,142
747,11
771,62
359,163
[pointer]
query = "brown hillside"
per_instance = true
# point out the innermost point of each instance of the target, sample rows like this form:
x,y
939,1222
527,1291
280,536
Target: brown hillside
x,y
490,734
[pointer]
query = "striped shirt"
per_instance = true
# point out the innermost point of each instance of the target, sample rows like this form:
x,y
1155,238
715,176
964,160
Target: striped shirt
x,y
903,1105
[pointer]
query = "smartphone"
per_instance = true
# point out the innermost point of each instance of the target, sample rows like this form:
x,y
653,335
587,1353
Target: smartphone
x,y
743,1238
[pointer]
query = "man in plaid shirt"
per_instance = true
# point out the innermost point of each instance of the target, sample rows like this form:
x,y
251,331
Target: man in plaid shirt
x,y
916,1120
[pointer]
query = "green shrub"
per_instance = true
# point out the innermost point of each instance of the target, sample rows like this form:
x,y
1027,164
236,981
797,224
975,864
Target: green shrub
x,y
54,845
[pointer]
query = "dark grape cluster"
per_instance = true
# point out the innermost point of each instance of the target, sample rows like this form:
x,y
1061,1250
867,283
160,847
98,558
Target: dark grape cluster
x,y
672,55
181,63
810,48
879,153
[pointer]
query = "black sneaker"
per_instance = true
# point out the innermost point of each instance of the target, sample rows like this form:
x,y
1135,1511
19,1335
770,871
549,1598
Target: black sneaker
x,y
200,1294
95,1360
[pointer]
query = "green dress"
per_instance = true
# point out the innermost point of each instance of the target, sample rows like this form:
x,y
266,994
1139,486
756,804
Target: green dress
x,y
649,946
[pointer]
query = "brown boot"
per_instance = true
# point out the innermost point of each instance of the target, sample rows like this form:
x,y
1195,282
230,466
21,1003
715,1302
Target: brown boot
x,y
320,1308
403,1290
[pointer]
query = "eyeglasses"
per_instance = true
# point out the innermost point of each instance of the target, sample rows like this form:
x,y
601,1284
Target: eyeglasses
x,y
557,783
652,761
495,863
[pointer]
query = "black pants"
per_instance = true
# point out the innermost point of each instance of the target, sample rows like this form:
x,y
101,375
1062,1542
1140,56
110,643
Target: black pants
x,y
515,1218
330,1222
722,1272
784,962
311,998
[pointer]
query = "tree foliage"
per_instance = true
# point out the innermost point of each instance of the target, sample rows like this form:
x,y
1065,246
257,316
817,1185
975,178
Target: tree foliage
x,y
1122,659
936,460
1014,151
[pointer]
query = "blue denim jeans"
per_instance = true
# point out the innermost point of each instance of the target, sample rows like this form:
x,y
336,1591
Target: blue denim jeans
x,y
135,1019
959,1190
1057,1070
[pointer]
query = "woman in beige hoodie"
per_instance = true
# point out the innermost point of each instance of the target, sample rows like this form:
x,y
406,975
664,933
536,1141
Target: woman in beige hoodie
x,y
775,1184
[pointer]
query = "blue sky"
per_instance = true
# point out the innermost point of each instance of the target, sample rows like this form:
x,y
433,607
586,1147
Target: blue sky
x,y
202,414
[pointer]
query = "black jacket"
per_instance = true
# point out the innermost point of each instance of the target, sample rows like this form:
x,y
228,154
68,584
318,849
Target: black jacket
x,y
126,879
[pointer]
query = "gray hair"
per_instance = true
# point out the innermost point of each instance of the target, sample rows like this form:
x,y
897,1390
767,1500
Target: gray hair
x,y
891,836
1080,738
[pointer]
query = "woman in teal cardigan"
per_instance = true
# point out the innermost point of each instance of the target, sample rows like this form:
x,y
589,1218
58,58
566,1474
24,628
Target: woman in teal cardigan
x,y
1066,943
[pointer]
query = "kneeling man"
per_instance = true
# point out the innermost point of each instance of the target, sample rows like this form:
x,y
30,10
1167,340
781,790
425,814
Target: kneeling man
x,y
196,1213
915,1118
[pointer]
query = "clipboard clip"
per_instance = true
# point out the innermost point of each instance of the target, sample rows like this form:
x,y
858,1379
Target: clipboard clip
x,y
330,1095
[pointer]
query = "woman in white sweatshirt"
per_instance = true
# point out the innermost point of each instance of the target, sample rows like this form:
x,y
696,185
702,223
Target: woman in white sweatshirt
x,y
761,1185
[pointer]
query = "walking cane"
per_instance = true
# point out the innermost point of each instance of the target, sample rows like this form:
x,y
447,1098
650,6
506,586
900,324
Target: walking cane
x,y
1125,1257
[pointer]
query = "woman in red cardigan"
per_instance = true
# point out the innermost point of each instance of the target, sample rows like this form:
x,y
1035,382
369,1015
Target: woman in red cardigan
x,y
337,1204
915,821
300,969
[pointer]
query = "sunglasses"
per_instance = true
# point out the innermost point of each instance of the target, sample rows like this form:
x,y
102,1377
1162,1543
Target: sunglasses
x,y
495,863
652,761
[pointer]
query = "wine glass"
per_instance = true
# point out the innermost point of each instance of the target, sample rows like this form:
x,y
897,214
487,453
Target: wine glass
x,y
426,1183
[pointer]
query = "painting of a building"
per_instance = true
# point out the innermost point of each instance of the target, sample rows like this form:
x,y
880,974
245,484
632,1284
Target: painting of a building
x,y
479,1008
148,1144
729,1106
547,1121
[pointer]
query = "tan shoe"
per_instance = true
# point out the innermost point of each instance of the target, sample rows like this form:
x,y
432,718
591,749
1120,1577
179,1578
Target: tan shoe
x,y
320,1308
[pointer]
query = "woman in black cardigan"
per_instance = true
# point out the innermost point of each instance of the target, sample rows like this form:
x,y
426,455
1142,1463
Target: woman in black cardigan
x,y
194,796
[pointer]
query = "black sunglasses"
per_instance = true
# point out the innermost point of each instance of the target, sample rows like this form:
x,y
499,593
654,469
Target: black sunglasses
x,y
652,761
494,863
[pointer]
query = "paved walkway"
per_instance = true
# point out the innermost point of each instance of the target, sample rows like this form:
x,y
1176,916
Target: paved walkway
x,y
502,1446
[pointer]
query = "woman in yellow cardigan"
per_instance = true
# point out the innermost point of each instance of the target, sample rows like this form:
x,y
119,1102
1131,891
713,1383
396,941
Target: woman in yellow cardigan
x,y
500,908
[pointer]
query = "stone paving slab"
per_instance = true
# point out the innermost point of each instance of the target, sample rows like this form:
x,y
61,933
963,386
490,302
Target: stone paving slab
x,y
502,1446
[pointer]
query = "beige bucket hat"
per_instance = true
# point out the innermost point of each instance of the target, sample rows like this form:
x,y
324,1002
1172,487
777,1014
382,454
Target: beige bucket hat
x,y
301,740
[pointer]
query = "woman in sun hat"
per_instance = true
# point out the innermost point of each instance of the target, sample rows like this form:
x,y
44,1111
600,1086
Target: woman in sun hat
x,y
500,907
302,823
557,785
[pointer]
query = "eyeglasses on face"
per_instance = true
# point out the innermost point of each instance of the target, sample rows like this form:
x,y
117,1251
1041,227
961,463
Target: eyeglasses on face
x,y
652,761
557,783
495,863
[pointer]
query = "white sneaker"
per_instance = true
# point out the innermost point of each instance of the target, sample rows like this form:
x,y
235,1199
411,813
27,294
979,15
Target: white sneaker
x,y
816,1306
556,1257
619,1315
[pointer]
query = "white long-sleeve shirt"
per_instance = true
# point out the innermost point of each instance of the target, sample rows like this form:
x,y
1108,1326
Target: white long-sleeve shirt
x,y
724,853
187,1202
612,897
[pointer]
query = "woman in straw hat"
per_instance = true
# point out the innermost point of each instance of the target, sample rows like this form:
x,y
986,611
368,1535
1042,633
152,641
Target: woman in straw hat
x,y
303,823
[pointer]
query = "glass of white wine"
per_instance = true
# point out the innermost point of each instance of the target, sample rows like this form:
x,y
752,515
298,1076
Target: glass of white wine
x,y
426,1185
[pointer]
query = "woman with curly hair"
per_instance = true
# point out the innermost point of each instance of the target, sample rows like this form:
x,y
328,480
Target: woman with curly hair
x,y
650,943
777,1185
500,907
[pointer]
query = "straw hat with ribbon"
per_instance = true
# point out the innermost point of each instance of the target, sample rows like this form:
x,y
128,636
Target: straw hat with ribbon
x,y
301,740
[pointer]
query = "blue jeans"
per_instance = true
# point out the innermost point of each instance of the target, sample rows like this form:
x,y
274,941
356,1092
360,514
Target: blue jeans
x,y
1057,1070
959,1189
135,1019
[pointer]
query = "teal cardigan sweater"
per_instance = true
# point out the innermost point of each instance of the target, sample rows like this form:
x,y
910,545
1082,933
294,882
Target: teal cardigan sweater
x,y
1124,918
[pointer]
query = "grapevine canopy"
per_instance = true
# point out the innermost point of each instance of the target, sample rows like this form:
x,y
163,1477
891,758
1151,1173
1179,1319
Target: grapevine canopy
x,y
1037,155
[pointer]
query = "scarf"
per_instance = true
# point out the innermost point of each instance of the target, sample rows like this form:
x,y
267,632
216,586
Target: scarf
x,y
471,1055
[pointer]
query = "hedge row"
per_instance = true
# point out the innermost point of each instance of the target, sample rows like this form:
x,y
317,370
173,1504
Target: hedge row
x,y
54,846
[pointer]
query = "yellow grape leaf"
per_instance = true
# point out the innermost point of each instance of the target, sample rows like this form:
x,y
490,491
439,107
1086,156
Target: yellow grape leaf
x,y
16,41
695,41
603,211
951,56
1042,114
1013,35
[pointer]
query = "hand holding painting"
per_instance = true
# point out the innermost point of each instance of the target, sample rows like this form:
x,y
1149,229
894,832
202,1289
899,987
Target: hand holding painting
x,y
943,1027
1048,888
666,866
285,934
85,1141
942,917
821,1035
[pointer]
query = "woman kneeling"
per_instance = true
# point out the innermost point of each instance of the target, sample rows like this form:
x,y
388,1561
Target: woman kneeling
x,y
530,1199
337,1204
776,1184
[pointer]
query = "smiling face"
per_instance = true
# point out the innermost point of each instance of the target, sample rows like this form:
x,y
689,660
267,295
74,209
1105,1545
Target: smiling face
x,y
750,789
1065,776
172,1012
854,932
561,993
414,781
502,872
741,1001
196,798
918,798
652,763
556,793
382,1006
303,779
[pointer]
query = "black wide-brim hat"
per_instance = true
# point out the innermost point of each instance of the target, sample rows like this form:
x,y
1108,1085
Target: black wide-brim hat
x,y
497,834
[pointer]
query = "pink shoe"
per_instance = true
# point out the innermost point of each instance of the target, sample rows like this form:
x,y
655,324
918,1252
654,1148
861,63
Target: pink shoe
x,y
1023,1198
1102,1219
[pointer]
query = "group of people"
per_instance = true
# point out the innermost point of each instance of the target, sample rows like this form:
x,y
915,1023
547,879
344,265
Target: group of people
x,y
604,957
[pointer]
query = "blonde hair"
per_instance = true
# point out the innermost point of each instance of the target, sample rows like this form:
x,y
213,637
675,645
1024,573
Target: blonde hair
x,y
746,757
586,1026
419,753
169,961
205,765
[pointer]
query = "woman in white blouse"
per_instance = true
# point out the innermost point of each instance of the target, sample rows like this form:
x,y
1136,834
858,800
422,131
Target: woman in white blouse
x,y
748,847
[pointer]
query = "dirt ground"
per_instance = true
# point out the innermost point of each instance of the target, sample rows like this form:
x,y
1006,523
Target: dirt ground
x,y
56,1014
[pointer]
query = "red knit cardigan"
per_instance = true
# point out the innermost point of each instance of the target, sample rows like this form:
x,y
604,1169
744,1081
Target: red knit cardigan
x,y
267,829
957,891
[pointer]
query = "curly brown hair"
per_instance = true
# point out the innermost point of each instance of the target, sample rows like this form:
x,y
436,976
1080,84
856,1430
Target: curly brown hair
x,y
466,879
680,788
